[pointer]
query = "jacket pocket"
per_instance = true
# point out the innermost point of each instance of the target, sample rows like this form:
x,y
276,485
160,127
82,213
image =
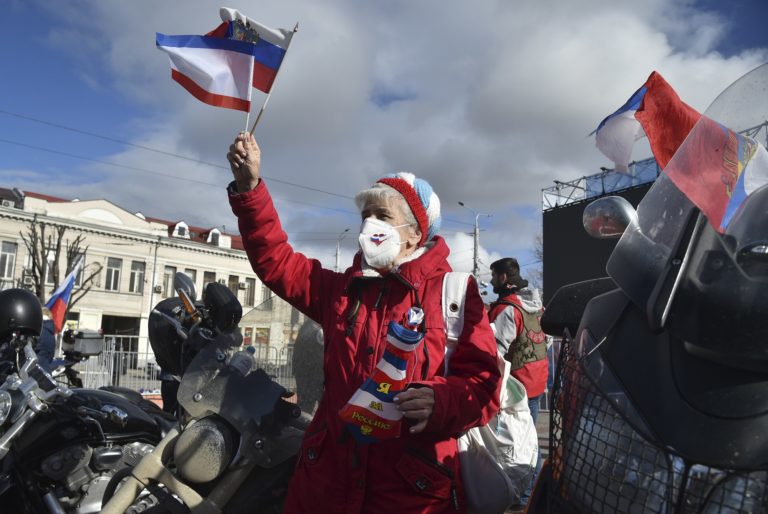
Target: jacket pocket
x,y
426,476
312,447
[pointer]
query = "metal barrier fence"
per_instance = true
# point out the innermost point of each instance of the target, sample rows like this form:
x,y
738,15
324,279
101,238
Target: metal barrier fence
x,y
139,371
118,365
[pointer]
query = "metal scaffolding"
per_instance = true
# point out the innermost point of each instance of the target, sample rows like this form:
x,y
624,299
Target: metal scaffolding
x,y
610,181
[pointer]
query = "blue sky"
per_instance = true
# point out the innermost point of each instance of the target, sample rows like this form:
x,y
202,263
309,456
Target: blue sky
x,y
490,102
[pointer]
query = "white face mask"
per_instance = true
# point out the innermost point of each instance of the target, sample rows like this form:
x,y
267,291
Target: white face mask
x,y
380,242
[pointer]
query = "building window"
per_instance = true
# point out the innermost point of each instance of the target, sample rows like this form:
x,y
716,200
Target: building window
x,y
182,230
250,291
113,274
79,276
7,259
191,273
232,283
215,238
137,277
266,298
208,277
49,269
168,275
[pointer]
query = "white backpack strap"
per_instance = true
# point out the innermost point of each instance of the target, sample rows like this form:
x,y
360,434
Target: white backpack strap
x,y
454,298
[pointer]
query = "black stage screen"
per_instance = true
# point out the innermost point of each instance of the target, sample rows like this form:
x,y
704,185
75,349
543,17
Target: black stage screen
x,y
570,255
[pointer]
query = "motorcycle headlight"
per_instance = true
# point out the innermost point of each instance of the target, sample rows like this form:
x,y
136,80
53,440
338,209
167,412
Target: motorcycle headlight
x,y
5,405
204,449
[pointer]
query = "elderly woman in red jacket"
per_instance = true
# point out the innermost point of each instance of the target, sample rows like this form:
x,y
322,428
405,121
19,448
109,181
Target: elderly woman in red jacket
x,y
353,460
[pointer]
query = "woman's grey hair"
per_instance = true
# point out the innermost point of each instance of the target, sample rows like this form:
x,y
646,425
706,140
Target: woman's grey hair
x,y
379,192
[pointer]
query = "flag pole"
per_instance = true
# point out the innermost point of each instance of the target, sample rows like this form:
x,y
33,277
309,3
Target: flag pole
x,y
250,91
264,105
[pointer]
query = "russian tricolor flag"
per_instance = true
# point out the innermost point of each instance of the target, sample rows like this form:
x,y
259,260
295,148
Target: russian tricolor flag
x,y
655,111
60,298
220,67
710,164
717,169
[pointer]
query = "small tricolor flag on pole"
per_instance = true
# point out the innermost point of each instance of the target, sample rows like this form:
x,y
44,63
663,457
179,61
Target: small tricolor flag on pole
x,y
60,297
220,67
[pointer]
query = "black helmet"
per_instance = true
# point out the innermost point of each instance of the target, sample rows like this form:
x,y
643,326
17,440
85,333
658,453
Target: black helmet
x,y
165,342
20,311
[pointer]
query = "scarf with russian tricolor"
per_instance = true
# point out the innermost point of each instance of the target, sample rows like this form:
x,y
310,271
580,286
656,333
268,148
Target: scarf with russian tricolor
x,y
371,414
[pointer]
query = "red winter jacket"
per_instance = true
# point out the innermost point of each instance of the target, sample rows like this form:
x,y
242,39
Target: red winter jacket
x,y
413,473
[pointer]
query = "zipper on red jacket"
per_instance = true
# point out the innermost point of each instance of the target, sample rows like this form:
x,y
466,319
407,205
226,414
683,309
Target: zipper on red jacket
x,y
352,318
382,292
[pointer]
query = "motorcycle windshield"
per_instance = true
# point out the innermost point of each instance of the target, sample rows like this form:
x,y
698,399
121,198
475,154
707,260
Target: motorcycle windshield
x,y
718,170
646,247
210,386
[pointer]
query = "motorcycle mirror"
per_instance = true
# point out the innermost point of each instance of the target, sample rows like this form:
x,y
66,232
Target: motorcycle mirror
x,y
223,307
608,217
183,282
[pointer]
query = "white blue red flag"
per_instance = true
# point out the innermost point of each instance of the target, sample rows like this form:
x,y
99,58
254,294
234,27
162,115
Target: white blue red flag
x,y
713,166
654,108
60,297
220,67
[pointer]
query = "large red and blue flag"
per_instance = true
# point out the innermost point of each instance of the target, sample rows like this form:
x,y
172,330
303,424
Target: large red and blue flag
x,y
59,300
220,67
717,169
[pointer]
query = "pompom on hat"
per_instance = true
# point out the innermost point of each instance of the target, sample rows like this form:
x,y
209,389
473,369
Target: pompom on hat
x,y
422,200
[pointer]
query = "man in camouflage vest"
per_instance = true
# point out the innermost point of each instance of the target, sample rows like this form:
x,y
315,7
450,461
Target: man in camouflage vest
x,y
515,317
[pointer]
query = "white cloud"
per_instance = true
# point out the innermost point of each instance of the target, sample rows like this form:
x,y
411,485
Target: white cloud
x,y
490,101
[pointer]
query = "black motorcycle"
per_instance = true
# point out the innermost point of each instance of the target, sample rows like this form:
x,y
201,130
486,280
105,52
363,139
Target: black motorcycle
x,y
59,447
661,392
238,438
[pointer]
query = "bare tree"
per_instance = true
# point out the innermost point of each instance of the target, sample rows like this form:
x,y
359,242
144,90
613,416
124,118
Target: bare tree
x,y
47,245
536,272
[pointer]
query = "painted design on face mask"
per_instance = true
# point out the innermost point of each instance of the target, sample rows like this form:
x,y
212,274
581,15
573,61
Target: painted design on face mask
x,y
380,242
377,239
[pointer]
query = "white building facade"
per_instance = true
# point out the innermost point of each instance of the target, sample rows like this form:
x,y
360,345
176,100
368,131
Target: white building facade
x,y
139,256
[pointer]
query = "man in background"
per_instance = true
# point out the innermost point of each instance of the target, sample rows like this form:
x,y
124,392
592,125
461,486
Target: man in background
x,y
516,315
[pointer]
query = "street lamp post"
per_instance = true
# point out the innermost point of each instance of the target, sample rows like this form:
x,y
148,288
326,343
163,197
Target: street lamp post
x,y
475,258
338,248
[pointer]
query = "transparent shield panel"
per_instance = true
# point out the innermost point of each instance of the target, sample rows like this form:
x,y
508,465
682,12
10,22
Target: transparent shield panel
x,y
708,170
210,386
